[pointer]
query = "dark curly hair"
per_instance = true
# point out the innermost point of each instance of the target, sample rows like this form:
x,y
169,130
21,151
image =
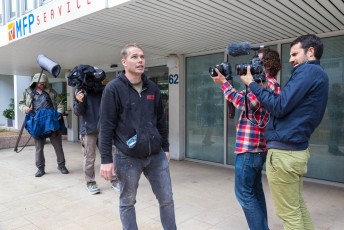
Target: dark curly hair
x,y
272,62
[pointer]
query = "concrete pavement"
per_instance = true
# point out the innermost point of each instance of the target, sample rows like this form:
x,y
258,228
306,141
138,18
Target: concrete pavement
x,y
204,197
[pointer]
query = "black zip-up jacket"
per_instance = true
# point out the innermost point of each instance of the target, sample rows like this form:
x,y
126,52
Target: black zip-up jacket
x,y
124,111
88,112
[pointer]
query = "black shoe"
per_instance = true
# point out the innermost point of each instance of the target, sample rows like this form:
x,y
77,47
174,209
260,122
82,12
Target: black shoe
x,y
63,169
39,173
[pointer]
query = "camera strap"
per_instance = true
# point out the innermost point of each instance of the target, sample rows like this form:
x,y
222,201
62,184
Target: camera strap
x,y
256,123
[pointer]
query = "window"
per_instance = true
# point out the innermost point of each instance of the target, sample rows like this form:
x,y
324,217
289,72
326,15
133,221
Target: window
x,y
1,12
159,75
13,8
45,1
29,5
204,110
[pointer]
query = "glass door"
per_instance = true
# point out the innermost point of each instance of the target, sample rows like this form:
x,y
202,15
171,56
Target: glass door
x,y
204,110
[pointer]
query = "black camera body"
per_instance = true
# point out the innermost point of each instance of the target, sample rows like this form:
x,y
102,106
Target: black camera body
x,y
256,67
224,68
87,78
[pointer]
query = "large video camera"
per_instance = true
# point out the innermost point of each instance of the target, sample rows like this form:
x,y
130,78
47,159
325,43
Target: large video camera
x,y
87,78
256,64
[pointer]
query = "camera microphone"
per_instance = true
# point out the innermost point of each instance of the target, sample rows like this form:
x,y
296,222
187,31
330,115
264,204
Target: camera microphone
x,y
242,48
239,49
48,65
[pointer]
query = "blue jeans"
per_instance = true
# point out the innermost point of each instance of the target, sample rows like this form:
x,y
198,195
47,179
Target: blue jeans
x,y
156,170
249,189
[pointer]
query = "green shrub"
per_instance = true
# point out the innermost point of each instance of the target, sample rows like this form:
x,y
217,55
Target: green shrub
x,y
9,112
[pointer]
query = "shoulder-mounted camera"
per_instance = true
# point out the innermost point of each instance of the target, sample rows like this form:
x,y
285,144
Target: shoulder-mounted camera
x,y
87,78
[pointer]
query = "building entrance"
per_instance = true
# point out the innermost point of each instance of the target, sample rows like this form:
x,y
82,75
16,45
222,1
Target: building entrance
x,y
159,75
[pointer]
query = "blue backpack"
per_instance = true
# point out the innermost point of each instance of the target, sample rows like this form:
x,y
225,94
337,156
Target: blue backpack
x,y
42,123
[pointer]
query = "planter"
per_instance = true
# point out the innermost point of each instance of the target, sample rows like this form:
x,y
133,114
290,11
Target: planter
x,y
9,122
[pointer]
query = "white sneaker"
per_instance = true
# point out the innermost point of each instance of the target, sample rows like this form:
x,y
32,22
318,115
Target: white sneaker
x,y
92,188
115,186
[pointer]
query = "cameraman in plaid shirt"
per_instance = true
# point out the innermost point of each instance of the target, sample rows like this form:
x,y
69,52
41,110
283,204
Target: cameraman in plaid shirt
x,y
250,147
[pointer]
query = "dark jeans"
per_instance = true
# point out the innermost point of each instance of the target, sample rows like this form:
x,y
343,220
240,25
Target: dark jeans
x,y
56,141
156,170
249,189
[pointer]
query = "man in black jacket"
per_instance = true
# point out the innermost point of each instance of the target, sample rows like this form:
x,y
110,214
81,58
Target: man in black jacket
x,y
132,117
86,105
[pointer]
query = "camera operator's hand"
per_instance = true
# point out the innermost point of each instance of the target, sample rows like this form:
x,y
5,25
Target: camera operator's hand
x,y
248,78
80,96
219,79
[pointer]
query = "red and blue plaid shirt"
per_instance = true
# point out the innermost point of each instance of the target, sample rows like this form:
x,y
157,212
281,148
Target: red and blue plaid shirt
x,y
250,133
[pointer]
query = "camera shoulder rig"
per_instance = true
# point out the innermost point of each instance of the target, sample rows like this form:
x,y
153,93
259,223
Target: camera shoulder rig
x,y
86,77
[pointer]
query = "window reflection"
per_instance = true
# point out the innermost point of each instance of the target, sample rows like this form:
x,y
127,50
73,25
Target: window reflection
x,y
204,115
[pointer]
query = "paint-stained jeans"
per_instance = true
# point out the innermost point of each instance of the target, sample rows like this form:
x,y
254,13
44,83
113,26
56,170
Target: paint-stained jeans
x,y
156,170
284,169
249,189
